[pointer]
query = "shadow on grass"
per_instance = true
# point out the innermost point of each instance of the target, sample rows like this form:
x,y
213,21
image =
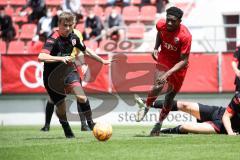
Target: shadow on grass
x,y
161,135
49,138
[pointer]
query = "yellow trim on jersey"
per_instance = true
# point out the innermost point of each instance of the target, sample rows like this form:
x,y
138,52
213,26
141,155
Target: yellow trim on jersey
x,y
75,50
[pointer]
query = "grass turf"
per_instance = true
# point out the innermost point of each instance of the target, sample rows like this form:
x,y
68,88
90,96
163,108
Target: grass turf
x,y
127,142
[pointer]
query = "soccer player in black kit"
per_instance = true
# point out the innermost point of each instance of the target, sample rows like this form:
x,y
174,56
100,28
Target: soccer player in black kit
x,y
210,119
60,74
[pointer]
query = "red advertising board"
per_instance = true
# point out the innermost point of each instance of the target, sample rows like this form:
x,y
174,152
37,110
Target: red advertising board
x,y
202,74
23,74
227,73
129,73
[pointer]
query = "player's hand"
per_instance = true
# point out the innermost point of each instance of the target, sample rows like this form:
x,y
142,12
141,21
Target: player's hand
x,y
67,59
155,54
162,79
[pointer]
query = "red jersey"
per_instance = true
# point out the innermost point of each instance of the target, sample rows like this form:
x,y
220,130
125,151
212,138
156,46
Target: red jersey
x,y
173,44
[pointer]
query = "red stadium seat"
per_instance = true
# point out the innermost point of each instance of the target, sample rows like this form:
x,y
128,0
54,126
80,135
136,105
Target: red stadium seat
x,y
98,11
80,27
101,2
148,13
4,2
16,47
109,9
88,2
130,13
16,27
136,31
53,2
28,31
91,44
9,10
18,2
34,47
17,18
2,47
136,2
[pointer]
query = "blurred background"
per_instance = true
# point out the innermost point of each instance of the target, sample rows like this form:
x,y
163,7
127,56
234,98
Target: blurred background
x,y
125,30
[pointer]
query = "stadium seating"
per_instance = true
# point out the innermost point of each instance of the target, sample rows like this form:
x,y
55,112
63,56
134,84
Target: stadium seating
x,y
16,47
17,18
16,27
136,2
136,31
27,31
130,13
17,2
98,11
53,2
109,9
34,47
88,2
9,10
3,2
80,27
148,13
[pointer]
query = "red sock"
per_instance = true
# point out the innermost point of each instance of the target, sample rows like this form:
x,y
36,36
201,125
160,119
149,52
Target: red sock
x,y
150,99
164,113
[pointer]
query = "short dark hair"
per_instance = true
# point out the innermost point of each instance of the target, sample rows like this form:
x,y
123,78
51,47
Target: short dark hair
x,y
177,12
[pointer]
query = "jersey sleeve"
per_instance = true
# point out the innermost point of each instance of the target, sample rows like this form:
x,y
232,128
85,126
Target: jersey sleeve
x,y
48,46
186,45
79,41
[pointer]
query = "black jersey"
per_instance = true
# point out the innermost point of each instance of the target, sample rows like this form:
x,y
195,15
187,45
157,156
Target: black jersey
x,y
57,45
234,109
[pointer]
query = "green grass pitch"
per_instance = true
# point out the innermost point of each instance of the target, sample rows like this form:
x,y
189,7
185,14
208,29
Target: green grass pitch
x,y
126,143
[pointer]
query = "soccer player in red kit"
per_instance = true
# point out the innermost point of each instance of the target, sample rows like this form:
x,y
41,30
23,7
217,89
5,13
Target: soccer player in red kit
x,y
172,62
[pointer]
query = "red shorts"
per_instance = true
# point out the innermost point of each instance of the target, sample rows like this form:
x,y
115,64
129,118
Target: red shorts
x,y
176,79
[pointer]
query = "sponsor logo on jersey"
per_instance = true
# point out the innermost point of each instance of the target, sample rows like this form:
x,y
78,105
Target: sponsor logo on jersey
x,y
169,46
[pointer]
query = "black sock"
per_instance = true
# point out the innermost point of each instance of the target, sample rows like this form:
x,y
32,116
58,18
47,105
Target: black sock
x,y
66,128
48,113
81,114
159,104
86,109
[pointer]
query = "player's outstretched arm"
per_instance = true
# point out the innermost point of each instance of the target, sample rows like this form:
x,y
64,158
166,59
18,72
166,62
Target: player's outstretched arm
x,y
227,123
157,44
93,55
44,57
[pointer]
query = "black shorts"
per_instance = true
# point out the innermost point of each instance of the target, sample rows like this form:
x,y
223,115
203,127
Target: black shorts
x,y
56,82
212,115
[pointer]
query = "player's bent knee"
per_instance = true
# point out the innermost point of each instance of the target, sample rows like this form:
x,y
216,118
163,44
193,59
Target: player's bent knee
x,y
81,99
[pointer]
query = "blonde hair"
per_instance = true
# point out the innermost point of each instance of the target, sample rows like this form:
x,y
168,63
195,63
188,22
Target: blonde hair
x,y
66,17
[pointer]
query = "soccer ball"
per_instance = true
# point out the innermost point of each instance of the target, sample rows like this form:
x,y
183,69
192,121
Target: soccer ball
x,y
102,131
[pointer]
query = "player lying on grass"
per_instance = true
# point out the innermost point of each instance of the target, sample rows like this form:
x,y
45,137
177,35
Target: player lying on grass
x,y
210,119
